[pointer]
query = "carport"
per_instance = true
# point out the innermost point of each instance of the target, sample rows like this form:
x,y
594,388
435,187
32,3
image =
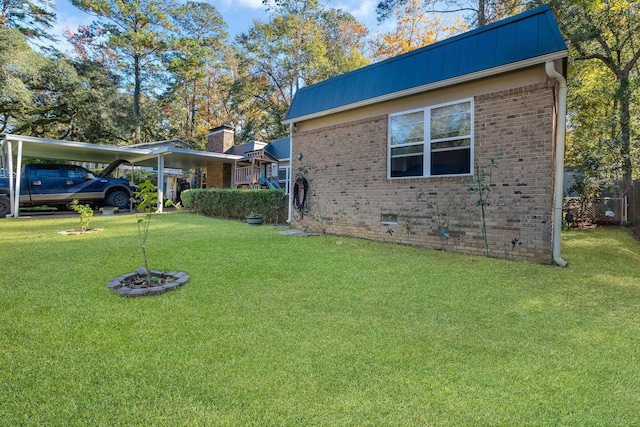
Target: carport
x,y
13,148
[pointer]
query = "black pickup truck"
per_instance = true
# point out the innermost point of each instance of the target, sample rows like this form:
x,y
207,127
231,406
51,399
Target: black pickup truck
x,y
59,185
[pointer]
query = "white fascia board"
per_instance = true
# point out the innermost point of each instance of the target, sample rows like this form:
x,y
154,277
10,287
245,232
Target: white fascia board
x,y
169,150
75,144
435,85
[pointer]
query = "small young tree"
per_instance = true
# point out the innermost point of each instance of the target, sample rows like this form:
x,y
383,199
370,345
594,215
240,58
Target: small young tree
x,y
86,213
148,195
481,185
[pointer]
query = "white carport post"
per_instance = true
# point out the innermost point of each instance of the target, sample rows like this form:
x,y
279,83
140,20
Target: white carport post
x,y
12,193
10,175
16,188
3,155
233,174
160,182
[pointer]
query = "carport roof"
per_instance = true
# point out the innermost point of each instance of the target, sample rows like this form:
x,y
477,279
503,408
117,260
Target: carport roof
x,y
178,158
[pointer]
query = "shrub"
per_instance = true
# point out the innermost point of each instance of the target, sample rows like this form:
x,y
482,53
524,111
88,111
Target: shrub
x,y
237,204
187,198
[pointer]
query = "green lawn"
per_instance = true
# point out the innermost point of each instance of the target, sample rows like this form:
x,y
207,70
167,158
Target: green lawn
x,y
331,331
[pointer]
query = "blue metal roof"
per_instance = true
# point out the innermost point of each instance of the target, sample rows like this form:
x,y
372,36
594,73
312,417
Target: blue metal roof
x,y
519,38
242,149
279,148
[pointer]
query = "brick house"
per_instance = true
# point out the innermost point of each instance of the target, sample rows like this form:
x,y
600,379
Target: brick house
x,y
390,151
262,165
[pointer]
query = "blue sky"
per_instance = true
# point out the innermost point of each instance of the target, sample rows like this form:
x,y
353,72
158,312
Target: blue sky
x,y
238,14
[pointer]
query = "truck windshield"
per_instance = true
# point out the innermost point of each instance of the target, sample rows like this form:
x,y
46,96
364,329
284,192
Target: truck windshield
x,y
117,169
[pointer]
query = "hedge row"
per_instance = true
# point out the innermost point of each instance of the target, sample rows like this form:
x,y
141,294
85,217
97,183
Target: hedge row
x,y
238,204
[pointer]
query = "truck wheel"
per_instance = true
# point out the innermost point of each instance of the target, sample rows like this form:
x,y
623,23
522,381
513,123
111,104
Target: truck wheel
x,y
5,206
119,199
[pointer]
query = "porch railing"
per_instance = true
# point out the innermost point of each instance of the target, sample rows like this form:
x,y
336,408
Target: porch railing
x,y
246,175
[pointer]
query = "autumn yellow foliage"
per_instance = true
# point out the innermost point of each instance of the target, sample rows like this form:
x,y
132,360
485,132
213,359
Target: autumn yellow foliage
x,y
415,28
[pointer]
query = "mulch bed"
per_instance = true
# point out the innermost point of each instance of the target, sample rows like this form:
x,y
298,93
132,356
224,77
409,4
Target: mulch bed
x,y
137,284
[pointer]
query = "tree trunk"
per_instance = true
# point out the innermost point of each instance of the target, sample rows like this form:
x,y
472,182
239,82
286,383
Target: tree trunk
x,y
482,14
136,98
624,96
192,128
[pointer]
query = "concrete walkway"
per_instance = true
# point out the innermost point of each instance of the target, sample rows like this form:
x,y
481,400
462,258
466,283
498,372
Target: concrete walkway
x,y
297,233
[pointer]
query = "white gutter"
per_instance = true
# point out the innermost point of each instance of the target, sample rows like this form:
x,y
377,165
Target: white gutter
x,y
561,128
289,213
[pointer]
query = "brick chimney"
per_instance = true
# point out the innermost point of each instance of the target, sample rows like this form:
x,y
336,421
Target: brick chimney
x,y
220,139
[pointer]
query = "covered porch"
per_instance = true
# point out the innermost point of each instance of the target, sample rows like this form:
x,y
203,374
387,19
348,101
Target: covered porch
x,y
258,169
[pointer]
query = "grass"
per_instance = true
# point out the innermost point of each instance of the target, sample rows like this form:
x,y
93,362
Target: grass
x,y
327,330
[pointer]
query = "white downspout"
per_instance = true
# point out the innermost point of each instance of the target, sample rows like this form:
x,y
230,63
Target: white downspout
x,y
160,188
290,170
561,130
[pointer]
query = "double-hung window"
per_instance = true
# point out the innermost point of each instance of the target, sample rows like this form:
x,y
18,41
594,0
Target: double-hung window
x,y
433,141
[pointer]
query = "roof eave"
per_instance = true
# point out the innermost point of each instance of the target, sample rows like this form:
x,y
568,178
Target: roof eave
x,y
435,85
209,154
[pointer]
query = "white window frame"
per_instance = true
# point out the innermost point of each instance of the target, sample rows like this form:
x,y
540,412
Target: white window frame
x,y
287,179
426,141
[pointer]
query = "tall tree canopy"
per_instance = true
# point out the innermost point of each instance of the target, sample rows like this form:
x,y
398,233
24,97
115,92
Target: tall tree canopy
x,y
479,12
198,49
604,35
415,27
301,44
54,97
33,18
19,66
134,36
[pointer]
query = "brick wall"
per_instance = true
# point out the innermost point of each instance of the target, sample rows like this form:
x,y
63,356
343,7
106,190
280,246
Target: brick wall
x,y
219,140
346,165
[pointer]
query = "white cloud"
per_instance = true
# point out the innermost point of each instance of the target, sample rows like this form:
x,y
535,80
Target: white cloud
x,y
237,4
364,10
251,4
69,16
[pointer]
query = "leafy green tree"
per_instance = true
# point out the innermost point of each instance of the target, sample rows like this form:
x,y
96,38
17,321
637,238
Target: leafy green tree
x,y
344,37
33,18
134,35
415,27
479,12
216,104
592,124
197,49
605,35
19,65
55,88
301,44
98,113
50,96
37,92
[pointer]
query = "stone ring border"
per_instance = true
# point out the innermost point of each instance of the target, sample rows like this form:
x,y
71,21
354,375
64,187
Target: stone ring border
x,y
175,279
